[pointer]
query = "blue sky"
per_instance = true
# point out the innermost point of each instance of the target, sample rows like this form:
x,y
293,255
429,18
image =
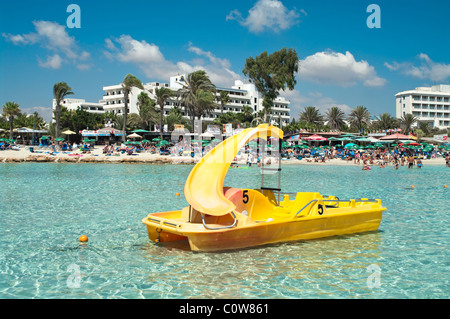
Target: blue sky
x,y
343,61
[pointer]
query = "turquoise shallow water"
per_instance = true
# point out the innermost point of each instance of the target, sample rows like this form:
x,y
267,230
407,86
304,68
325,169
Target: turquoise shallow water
x,y
44,208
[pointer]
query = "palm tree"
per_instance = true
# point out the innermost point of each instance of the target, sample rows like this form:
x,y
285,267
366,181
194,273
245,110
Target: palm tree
x,y
162,95
146,109
224,99
385,121
267,107
128,83
424,126
247,113
359,117
10,111
335,117
197,80
204,103
311,115
60,91
407,121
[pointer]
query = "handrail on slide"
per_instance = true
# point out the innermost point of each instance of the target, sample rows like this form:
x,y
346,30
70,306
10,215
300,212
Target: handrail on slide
x,y
220,227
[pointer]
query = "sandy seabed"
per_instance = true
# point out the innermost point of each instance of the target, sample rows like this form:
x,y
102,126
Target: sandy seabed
x,y
97,156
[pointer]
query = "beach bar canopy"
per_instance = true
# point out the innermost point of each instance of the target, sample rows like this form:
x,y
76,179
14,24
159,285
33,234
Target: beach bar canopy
x,y
315,137
107,131
396,136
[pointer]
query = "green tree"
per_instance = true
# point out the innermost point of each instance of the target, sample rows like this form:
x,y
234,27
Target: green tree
x,y
424,127
146,110
407,121
205,103
128,83
196,81
162,95
359,117
247,113
335,117
224,99
311,115
60,91
175,117
10,111
33,120
272,73
385,121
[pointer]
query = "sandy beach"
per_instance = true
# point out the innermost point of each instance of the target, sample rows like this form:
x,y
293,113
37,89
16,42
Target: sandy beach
x,y
97,156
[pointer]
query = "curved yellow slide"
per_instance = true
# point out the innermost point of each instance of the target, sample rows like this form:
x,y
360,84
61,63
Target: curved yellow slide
x,y
204,186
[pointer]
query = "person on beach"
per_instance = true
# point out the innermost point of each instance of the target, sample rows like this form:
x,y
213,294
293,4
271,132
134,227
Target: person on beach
x,y
419,163
447,161
410,161
396,164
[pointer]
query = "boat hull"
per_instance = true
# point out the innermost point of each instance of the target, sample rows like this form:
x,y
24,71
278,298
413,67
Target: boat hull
x,y
263,233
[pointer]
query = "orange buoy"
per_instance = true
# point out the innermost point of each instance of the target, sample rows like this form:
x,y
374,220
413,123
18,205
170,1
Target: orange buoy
x,y
178,194
445,186
412,186
83,238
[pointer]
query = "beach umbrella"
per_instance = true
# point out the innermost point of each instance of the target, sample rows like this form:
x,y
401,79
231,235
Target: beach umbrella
x,y
351,146
156,139
134,135
69,132
303,146
145,141
345,139
164,142
327,146
370,146
3,139
59,139
45,138
140,131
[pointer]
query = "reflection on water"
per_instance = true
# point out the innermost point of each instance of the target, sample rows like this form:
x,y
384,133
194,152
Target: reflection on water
x,y
46,207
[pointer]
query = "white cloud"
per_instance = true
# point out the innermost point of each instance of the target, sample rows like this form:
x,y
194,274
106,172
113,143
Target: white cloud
x,y
338,69
54,38
138,51
267,15
427,70
52,62
152,62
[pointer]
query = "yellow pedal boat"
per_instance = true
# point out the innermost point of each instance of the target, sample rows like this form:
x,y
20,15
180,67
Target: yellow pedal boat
x,y
222,218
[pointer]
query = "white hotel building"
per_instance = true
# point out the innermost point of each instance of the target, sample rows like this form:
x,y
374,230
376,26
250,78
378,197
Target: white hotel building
x,y
240,95
74,104
427,104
